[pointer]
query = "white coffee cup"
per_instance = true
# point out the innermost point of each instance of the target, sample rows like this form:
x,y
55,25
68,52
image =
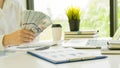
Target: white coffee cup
x,y
56,32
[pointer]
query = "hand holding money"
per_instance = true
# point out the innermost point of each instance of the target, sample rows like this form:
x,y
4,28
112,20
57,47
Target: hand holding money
x,y
33,23
18,37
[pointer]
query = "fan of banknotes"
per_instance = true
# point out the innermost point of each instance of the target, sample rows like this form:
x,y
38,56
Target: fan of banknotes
x,y
35,21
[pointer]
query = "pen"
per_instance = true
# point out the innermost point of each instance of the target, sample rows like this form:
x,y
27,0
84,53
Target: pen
x,y
22,47
88,58
35,47
42,48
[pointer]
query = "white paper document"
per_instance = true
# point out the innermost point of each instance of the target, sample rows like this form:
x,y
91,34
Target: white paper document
x,y
86,43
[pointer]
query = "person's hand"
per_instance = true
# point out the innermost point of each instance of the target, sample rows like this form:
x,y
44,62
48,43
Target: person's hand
x,y
18,37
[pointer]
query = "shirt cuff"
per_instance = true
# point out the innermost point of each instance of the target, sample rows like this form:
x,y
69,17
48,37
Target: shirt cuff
x,y
1,43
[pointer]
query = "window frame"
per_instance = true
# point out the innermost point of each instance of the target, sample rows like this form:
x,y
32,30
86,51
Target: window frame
x,y
30,4
113,17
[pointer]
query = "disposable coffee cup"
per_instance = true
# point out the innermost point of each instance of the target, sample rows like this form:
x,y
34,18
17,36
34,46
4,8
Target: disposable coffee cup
x,y
56,32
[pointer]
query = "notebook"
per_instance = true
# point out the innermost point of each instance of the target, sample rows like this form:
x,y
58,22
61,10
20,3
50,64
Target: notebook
x,y
65,55
96,43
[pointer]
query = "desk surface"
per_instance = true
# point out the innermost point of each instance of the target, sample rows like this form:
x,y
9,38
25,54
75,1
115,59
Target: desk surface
x,y
23,60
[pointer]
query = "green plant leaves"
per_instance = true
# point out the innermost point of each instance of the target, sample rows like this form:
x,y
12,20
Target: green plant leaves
x,y
73,13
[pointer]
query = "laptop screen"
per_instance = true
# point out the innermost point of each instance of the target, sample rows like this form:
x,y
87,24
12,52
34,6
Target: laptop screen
x,y
116,35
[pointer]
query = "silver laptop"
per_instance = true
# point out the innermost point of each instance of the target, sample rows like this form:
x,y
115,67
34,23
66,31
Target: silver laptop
x,y
91,43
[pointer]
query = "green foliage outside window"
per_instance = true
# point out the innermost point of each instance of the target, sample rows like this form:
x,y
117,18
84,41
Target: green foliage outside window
x,y
97,17
118,12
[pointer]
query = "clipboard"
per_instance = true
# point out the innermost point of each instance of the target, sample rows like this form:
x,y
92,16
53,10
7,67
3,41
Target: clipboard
x,y
64,55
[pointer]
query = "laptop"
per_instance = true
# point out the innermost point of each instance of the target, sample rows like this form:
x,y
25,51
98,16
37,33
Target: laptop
x,y
93,43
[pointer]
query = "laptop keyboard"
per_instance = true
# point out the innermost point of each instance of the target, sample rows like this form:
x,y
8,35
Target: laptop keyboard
x,y
97,42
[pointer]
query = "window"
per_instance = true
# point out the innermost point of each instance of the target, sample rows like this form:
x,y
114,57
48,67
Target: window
x,y
95,14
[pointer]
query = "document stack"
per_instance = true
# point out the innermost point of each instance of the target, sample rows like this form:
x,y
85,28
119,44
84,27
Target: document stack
x,y
114,44
113,48
81,34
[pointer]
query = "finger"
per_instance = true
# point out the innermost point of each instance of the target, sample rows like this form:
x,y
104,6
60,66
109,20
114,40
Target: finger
x,y
26,40
28,36
28,32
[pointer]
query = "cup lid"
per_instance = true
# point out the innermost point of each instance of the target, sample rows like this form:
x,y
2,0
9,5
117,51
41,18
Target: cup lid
x,y
56,25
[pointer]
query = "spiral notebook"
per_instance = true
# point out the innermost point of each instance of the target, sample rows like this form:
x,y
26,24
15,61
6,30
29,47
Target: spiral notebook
x,y
65,55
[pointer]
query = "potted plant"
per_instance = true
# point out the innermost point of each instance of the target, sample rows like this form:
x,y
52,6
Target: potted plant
x,y
73,14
